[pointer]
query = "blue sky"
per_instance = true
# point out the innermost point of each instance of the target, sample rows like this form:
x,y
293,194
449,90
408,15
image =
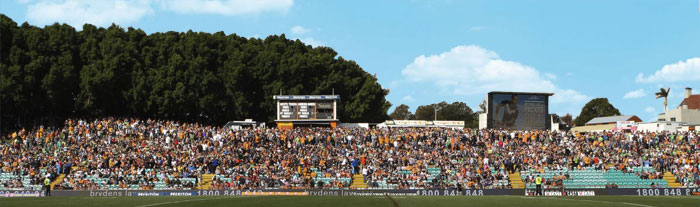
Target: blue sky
x,y
441,50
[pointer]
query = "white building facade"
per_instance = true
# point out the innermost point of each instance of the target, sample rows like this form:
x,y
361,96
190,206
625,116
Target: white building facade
x,y
688,112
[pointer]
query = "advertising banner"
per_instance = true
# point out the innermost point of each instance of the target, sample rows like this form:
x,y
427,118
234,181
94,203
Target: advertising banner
x,y
21,193
335,192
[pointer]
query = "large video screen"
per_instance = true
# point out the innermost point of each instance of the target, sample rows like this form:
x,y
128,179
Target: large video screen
x,y
517,111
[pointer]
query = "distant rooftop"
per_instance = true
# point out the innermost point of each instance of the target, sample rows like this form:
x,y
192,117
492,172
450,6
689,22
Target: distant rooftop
x,y
693,102
610,119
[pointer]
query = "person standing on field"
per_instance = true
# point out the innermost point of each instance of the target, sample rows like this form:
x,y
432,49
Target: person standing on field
x,y
47,186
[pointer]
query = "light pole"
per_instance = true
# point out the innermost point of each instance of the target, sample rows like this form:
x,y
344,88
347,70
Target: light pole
x,y
436,109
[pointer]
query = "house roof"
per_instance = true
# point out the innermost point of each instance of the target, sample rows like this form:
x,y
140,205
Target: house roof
x,y
609,119
693,102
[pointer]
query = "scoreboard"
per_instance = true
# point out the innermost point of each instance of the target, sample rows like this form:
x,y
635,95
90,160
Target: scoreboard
x,y
297,110
306,107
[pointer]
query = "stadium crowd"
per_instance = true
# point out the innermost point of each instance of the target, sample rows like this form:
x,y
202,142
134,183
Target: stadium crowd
x,y
129,153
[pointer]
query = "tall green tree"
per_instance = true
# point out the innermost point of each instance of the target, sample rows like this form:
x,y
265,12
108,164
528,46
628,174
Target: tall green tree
x,y
52,73
12,58
401,112
483,106
425,112
456,111
567,119
596,108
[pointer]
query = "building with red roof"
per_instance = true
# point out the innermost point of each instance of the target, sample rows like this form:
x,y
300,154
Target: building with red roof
x,y
688,112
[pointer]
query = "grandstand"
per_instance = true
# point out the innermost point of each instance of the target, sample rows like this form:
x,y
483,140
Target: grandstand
x,y
589,177
148,155
24,180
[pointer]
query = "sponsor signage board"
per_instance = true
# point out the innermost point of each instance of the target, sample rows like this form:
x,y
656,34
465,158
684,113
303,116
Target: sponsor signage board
x,y
325,192
21,193
308,97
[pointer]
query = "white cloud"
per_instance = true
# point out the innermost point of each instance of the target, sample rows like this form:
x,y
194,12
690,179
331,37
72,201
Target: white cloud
x,y
300,33
408,99
472,70
635,94
299,30
688,70
313,42
124,12
550,76
78,12
568,96
227,7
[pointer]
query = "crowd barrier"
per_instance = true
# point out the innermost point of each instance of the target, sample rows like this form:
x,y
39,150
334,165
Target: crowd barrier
x,y
320,192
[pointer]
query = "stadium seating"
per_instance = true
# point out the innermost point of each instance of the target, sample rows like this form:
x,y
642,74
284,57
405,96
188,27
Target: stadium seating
x,y
592,178
25,180
433,173
327,181
186,156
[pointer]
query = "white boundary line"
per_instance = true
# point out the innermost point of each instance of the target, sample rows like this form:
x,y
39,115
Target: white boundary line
x,y
595,201
679,197
183,201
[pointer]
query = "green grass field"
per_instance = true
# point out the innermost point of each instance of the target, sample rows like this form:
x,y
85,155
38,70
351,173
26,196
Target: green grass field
x,y
308,201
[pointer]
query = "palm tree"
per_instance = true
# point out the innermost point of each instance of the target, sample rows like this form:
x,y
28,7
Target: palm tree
x,y
664,93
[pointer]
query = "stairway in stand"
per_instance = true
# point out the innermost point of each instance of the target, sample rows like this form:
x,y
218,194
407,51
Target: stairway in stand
x,y
58,180
358,182
205,184
516,181
671,180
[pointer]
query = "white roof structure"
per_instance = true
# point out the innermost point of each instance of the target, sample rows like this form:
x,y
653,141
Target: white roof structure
x,y
609,119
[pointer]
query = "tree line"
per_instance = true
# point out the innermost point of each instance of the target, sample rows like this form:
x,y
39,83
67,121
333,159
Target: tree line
x,y
49,74
52,73
598,107
456,111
